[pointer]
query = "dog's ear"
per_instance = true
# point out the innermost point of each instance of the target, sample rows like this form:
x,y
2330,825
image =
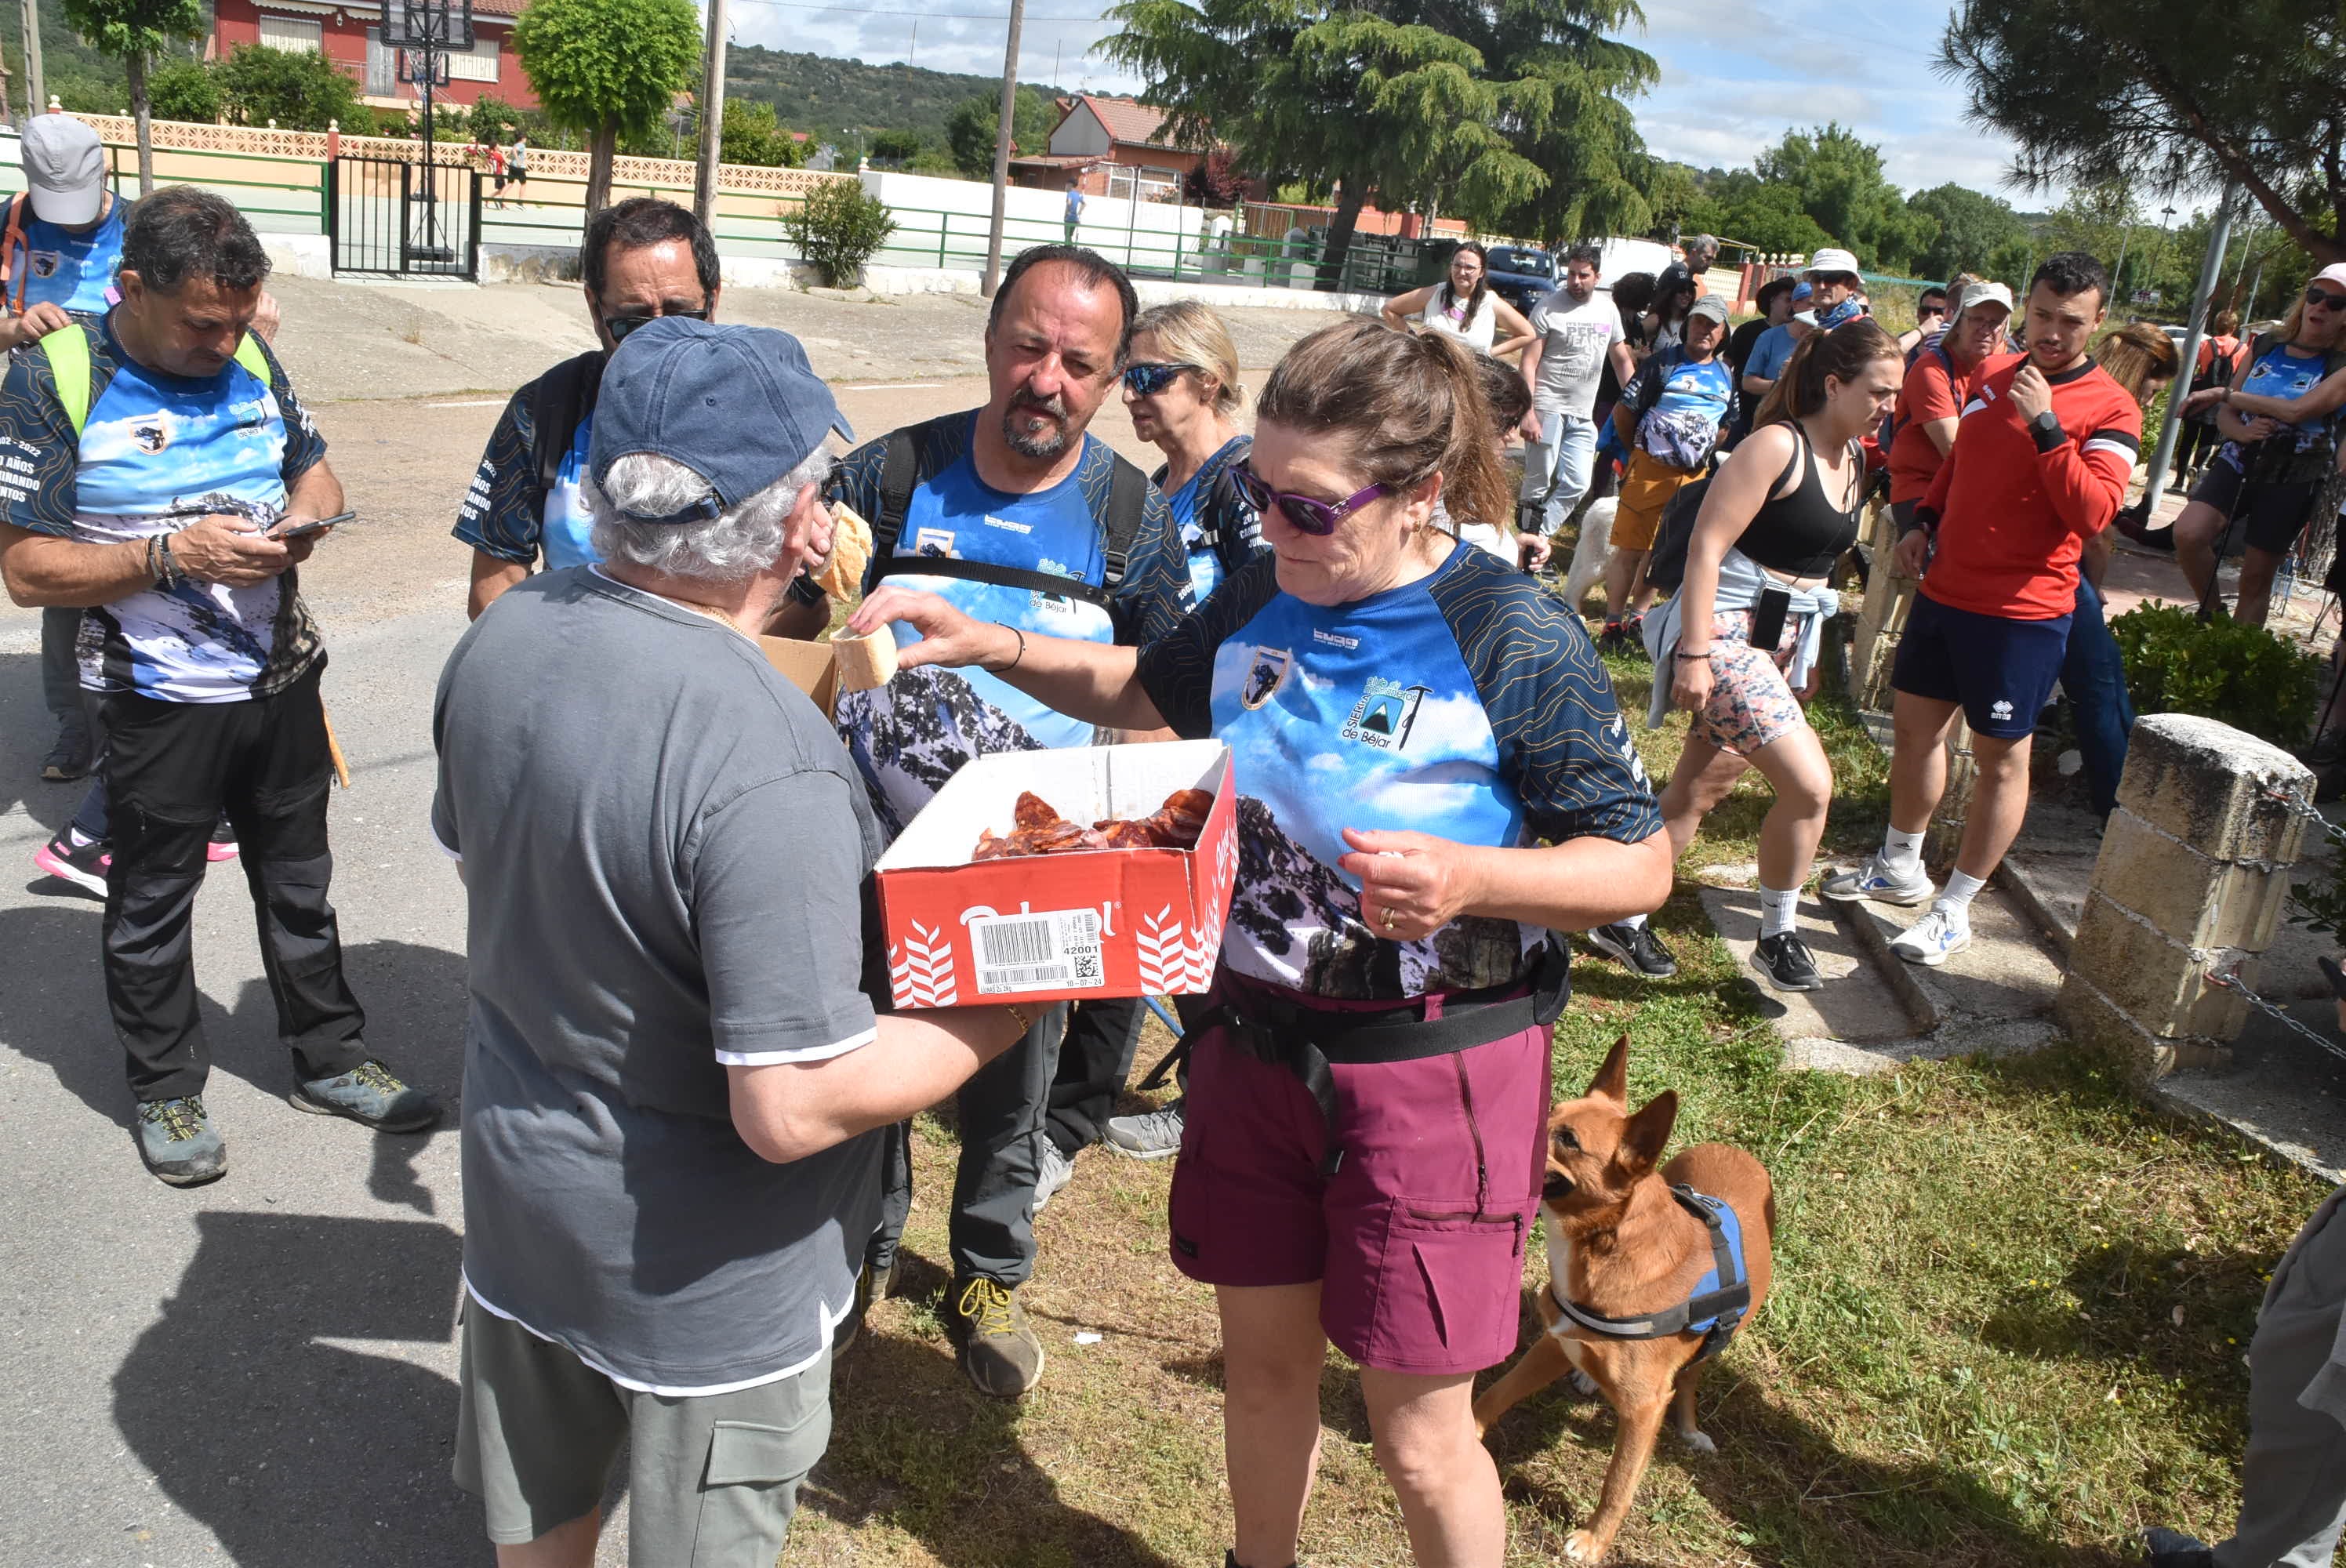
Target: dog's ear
x,y
1647,1133
1612,1080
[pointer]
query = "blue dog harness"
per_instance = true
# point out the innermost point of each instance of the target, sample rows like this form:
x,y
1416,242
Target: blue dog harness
x,y
1720,1297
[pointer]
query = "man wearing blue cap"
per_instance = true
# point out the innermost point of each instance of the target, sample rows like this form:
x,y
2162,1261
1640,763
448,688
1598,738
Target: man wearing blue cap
x,y
674,1076
1018,517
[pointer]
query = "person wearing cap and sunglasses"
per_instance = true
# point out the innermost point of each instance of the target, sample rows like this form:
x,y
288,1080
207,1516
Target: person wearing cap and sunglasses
x,y
1940,381
675,1080
1433,781
640,259
1839,293
1024,519
159,451
2280,424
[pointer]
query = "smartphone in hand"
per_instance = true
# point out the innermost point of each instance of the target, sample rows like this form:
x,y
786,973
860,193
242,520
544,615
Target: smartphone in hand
x,y
299,529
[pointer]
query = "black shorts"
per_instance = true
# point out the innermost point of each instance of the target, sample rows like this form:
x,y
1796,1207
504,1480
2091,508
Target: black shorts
x,y
2001,670
2275,513
518,176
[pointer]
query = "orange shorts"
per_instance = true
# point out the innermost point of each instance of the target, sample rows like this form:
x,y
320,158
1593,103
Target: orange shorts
x,y
1646,492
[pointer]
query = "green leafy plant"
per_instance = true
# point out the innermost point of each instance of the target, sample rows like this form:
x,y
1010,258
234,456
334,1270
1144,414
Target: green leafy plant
x,y
752,135
838,227
186,90
2245,675
300,89
608,68
135,32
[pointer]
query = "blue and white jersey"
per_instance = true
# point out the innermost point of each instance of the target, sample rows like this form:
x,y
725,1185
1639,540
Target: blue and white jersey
x,y
73,271
911,735
156,452
2301,452
503,514
1468,705
1682,425
1214,542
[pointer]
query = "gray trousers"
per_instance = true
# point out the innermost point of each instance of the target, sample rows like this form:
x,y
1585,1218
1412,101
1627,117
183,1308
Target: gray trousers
x,y
60,675
2293,1480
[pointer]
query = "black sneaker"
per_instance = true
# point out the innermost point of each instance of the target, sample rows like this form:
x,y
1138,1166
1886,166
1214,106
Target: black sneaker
x,y
1633,636
1634,948
2165,1548
82,866
1613,640
1787,962
1001,1354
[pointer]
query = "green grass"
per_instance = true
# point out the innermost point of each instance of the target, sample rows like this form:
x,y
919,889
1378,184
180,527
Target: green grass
x,y
2006,1329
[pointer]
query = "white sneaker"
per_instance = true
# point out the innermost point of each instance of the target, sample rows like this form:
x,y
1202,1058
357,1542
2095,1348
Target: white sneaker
x,y
1057,1170
1877,881
1932,939
1150,1136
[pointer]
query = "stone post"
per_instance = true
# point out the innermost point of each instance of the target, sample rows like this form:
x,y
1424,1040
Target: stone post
x,y
1882,620
2193,879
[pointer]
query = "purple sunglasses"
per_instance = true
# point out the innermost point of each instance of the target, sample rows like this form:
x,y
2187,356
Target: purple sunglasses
x,y
1307,514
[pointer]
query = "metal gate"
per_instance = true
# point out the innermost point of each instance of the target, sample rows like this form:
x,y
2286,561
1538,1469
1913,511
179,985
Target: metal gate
x,y
395,218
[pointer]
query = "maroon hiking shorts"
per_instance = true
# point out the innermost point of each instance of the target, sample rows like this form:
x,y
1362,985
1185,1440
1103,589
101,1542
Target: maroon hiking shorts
x,y
1417,1241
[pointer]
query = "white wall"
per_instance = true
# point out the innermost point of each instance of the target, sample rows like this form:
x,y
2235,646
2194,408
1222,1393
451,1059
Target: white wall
x,y
1080,133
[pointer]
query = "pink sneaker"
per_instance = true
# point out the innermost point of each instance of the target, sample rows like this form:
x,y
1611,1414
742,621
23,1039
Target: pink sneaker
x,y
221,850
84,866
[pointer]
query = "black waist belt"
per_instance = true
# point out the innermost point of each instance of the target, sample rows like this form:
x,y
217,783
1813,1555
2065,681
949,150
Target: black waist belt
x,y
1308,1041
987,571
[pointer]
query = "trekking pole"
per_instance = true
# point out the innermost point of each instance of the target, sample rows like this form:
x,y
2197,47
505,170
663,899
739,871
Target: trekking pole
x,y
334,749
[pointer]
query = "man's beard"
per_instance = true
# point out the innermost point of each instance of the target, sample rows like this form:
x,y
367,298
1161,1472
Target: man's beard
x,y
1048,442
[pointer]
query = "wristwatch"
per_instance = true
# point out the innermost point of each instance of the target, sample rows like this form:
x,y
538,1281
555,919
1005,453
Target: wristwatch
x,y
2047,428
805,590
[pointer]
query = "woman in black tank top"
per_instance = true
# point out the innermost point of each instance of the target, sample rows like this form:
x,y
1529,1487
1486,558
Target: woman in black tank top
x,y
1751,608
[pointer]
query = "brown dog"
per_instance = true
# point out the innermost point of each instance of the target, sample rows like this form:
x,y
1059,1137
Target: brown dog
x,y
1621,1245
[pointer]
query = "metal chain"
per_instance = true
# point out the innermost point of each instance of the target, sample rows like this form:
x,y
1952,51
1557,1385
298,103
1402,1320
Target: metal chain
x,y
2231,981
2300,807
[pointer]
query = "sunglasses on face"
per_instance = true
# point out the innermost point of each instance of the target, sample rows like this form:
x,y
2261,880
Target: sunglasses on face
x,y
1147,380
1306,513
2325,299
620,326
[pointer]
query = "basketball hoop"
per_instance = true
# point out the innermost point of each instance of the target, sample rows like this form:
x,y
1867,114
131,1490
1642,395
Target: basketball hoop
x,y
411,66
437,24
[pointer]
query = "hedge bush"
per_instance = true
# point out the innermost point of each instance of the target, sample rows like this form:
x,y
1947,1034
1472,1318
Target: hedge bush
x,y
2219,668
838,227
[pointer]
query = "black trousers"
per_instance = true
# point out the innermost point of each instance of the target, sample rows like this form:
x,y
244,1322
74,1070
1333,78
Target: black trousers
x,y
171,769
1094,1063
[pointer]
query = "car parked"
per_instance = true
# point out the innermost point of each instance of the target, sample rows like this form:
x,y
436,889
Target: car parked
x,y
1522,275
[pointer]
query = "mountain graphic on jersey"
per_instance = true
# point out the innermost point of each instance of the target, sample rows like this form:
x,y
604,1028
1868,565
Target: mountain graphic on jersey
x,y
1303,929
911,735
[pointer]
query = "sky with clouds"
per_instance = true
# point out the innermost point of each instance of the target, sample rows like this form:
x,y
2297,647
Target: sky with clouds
x,y
1732,77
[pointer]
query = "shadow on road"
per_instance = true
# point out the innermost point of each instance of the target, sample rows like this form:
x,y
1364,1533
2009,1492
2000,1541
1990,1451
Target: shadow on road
x,y
26,731
292,1449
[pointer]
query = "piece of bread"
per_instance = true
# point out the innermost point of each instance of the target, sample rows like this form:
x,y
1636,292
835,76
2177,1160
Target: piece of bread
x,y
865,664
851,553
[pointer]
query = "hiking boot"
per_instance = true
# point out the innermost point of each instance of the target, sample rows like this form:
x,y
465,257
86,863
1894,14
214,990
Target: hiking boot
x,y
82,865
177,1141
369,1094
1877,881
67,760
1152,1136
1634,947
1613,640
1787,962
1633,633
1056,1172
1000,1354
1933,940
2167,1548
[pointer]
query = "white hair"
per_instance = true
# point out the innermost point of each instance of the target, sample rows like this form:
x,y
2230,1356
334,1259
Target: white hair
x,y
734,544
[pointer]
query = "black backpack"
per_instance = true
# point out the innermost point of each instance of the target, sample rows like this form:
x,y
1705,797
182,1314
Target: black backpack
x,y
900,476
1666,567
558,399
1227,519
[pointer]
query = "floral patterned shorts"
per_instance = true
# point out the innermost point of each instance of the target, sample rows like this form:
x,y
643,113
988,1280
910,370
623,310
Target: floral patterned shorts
x,y
1751,702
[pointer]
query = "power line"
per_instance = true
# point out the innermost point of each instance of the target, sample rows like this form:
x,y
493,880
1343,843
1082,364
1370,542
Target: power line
x,y
891,11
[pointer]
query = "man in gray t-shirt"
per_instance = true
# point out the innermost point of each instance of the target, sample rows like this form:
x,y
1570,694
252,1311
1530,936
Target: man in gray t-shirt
x,y
673,1076
1574,330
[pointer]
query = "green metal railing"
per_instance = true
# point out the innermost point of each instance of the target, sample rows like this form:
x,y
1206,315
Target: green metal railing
x,y
929,236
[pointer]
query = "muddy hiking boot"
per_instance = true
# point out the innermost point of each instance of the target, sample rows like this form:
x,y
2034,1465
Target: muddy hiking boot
x,y
370,1096
177,1140
1000,1353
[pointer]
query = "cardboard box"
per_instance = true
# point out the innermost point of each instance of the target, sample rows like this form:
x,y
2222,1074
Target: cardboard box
x,y
1047,928
812,667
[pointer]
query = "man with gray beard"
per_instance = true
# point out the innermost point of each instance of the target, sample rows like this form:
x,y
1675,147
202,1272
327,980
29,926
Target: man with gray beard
x,y
1017,516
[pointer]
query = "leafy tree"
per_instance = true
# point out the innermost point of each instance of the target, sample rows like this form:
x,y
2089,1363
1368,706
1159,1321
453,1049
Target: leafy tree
x,y
134,32
1742,207
1671,192
300,89
898,146
1466,104
1837,178
492,120
1971,228
1216,182
969,129
838,227
607,66
186,90
2010,262
752,135
2155,94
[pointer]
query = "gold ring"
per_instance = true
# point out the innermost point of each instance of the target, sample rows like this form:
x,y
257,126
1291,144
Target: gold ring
x,y
1389,917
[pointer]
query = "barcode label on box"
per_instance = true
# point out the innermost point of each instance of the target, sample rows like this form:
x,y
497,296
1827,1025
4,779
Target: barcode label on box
x,y
1049,949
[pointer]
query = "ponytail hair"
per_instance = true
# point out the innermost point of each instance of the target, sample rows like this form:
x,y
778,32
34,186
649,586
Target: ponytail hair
x,y
1843,352
1408,405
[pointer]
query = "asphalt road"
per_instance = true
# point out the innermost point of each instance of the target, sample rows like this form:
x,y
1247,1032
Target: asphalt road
x,y
261,1371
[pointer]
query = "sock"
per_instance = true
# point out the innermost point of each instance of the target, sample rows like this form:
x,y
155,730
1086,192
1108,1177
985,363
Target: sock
x,y
78,838
1954,901
1777,910
1632,920
1902,852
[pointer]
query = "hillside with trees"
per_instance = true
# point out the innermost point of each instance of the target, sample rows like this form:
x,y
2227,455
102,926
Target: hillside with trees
x,y
834,100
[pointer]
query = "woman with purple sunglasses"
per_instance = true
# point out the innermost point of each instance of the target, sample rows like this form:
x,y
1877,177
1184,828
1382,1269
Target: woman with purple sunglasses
x,y
1433,780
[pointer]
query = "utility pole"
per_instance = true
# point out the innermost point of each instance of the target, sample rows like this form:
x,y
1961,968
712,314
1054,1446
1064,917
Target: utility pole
x,y
712,120
37,91
2220,235
1002,148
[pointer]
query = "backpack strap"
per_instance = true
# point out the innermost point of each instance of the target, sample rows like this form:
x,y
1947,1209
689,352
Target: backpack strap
x,y
1128,507
900,476
249,355
558,399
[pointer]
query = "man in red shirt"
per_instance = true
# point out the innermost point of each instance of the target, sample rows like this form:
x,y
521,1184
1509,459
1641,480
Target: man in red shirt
x,y
2039,465
1940,380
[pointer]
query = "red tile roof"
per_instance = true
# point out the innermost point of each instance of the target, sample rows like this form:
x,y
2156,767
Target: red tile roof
x,y
498,7
1130,123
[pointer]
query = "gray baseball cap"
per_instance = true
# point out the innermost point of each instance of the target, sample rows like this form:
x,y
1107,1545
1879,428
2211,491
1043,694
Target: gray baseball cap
x,y
1710,305
65,167
738,405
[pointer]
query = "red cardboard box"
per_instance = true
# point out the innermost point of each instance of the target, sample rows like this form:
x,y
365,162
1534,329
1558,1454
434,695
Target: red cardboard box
x,y
1049,927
